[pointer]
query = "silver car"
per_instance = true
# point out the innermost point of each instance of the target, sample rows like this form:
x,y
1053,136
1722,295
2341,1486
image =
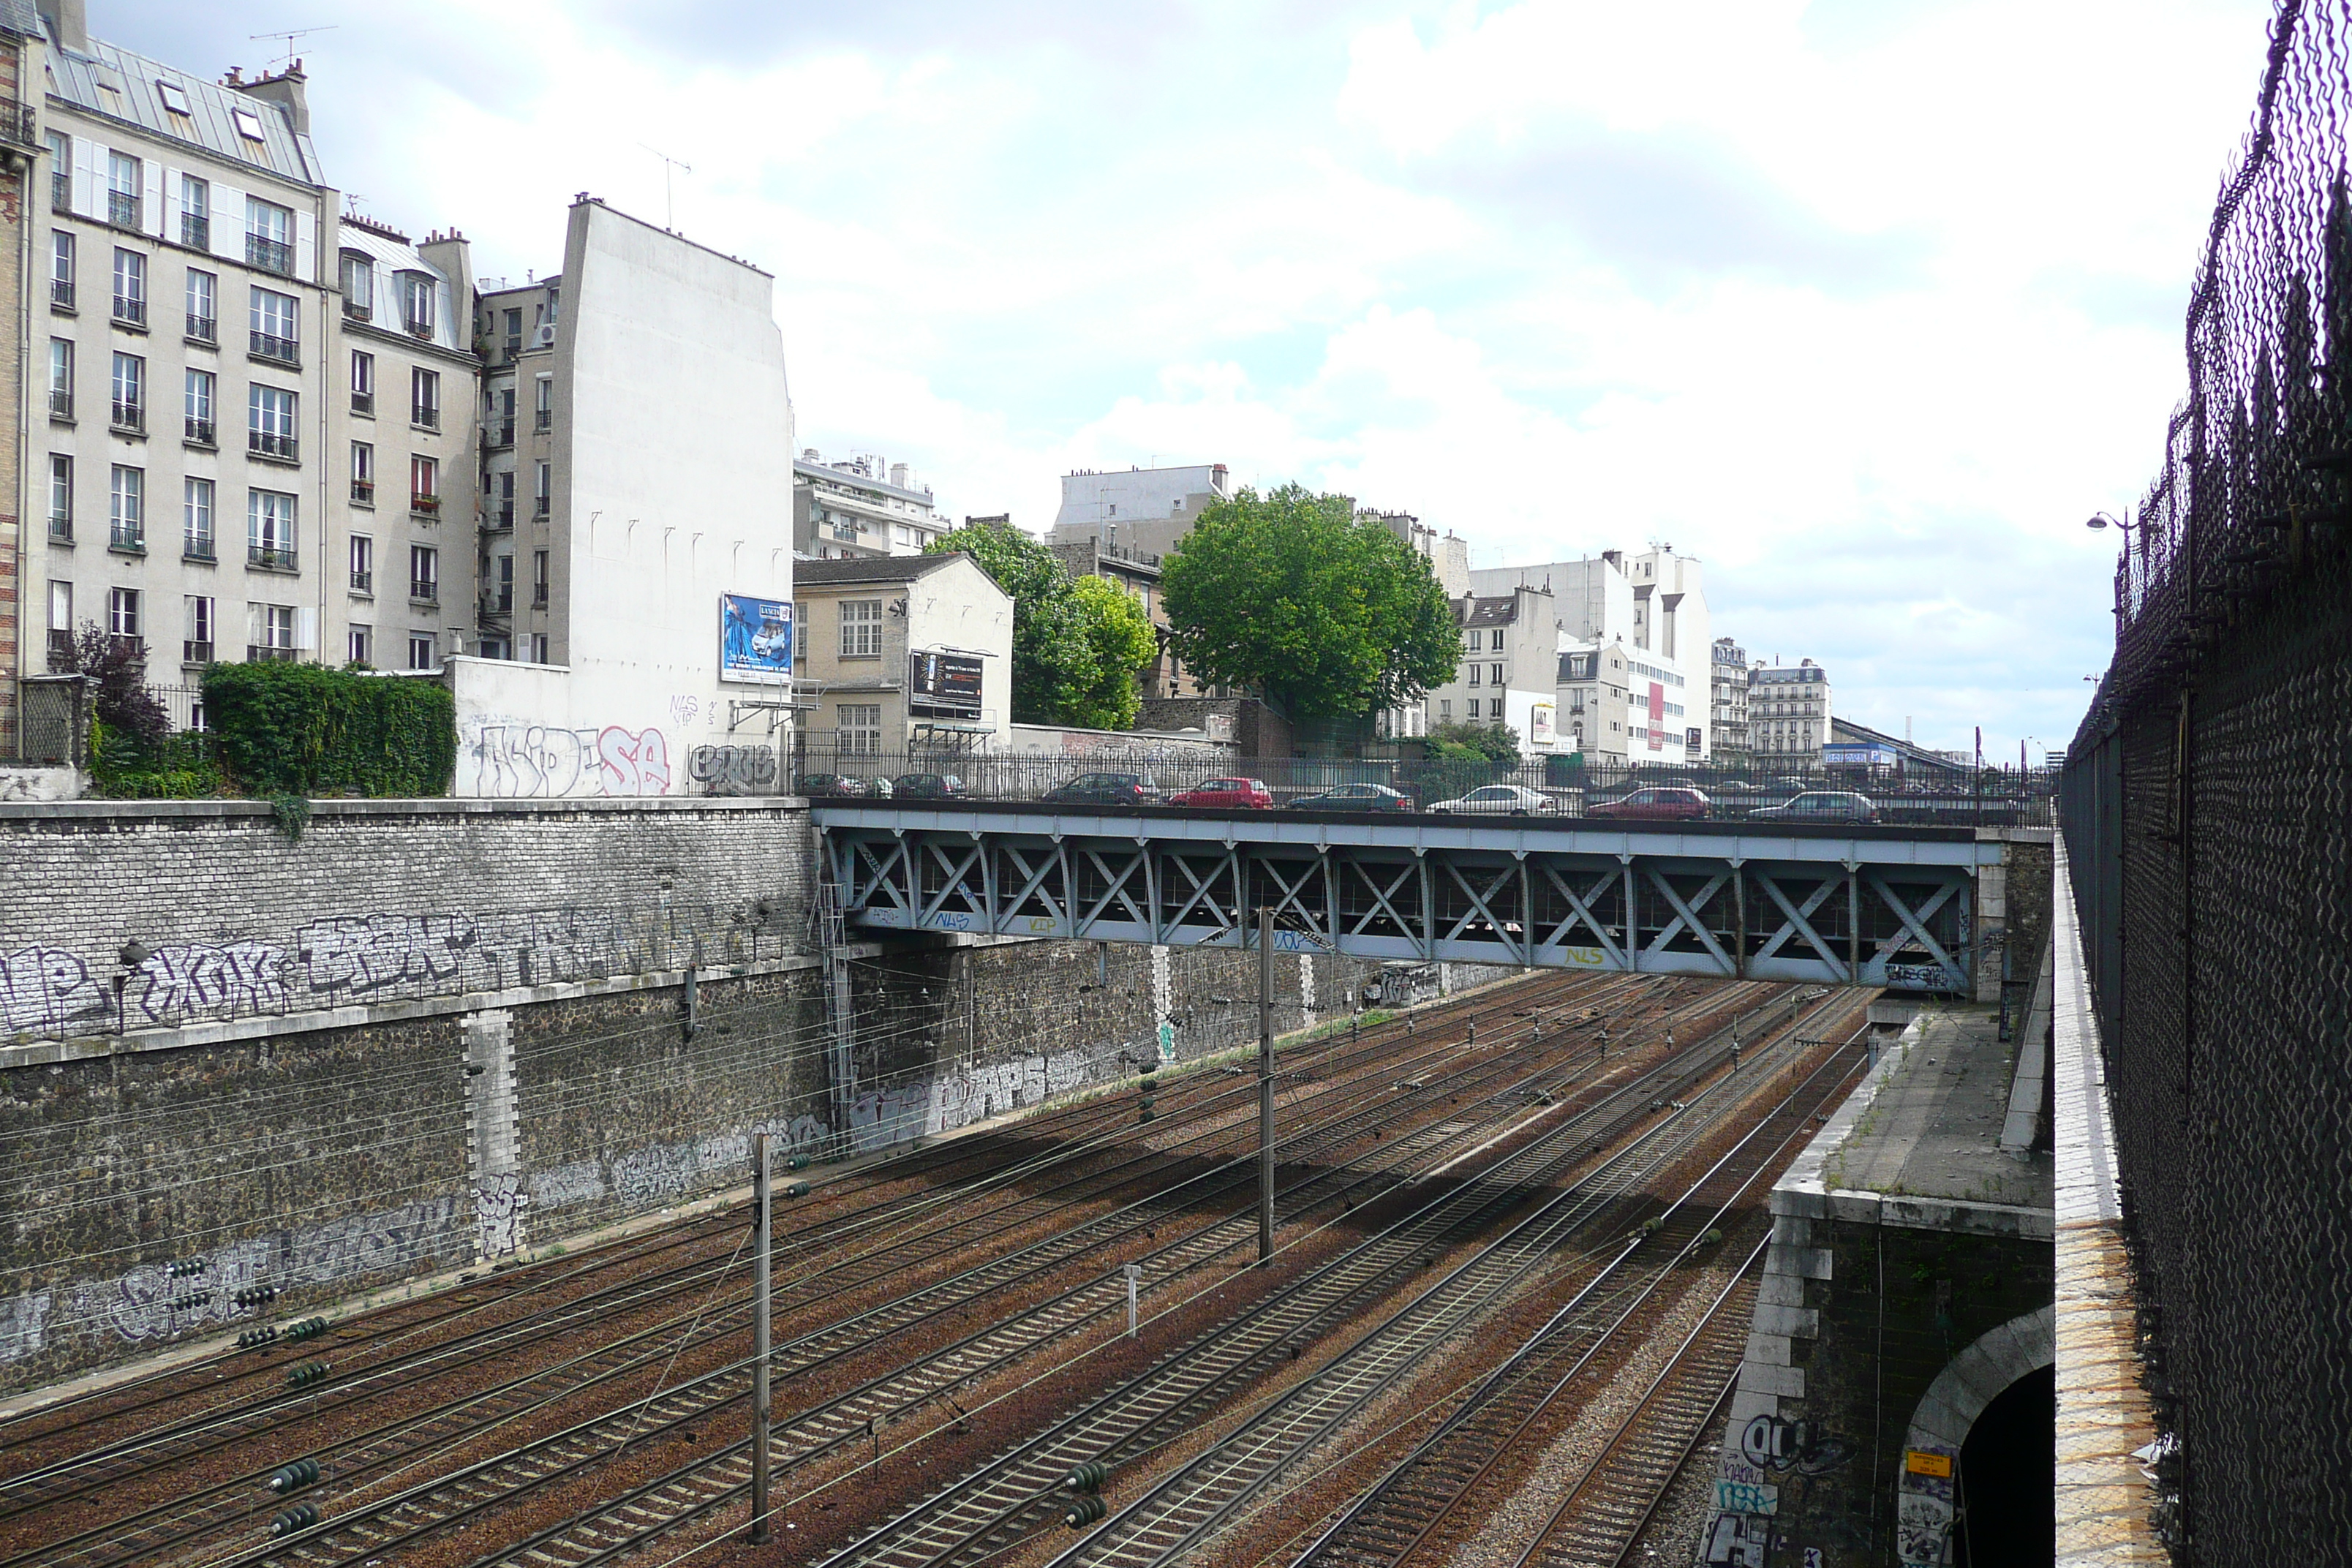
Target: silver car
x,y
1501,800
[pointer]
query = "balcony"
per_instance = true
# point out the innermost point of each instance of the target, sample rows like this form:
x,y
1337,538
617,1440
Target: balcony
x,y
260,654
363,493
203,330
271,557
61,294
539,595
270,254
276,350
425,593
358,311
130,312
201,432
417,329
60,530
538,507
514,350
199,551
498,520
364,403
428,418
60,404
123,209
196,231
130,419
499,433
425,505
497,606
363,581
127,538
273,446
195,652
542,419
61,648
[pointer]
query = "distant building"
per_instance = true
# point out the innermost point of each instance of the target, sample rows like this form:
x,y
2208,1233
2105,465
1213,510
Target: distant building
x,y
1508,668
1788,716
1655,604
1138,572
900,655
1727,702
855,507
1146,509
1448,556
1593,684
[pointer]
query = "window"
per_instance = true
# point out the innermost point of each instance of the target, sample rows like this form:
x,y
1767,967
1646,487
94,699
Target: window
x,y
363,473
425,484
61,378
60,620
1494,675
424,572
1446,710
195,213
268,236
1495,707
61,172
126,179
543,496
1495,640
500,599
544,411
249,123
198,647
61,271
514,333
270,534
269,426
363,563
425,398
1470,643
201,417
420,650
861,628
129,288
361,647
130,385
1475,674
538,647
274,326
122,613
126,511
362,383
269,631
175,97
538,579
861,729
60,499
359,287
196,519
505,498
416,303
204,311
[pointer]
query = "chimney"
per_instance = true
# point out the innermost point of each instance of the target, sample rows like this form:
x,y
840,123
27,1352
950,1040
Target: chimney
x,y
284,90
68,22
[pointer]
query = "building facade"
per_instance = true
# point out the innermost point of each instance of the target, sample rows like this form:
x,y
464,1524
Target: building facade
x,y
515,509
1728,701
1507,675
1595,717
1140,508
855,507
1788,716
902,655
22,71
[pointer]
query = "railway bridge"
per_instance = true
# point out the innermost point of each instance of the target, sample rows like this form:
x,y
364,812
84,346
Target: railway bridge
x,y
1844,904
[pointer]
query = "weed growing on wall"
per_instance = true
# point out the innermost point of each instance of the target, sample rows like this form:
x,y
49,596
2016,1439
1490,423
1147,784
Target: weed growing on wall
x,y
301,728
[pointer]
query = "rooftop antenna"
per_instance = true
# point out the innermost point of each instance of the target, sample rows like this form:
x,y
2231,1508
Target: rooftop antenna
x,y
290,35
669,165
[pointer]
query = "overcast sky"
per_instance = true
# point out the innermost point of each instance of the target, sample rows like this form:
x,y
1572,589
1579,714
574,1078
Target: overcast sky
x,y
1867,303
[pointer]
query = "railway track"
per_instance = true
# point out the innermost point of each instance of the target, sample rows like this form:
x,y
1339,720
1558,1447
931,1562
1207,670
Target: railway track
x,y
188,1518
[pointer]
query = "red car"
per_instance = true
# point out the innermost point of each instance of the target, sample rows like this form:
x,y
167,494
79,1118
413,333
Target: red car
x,y
1677,804
1227,795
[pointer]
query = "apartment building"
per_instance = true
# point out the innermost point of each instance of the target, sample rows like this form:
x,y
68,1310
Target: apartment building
x,y
22,47
1140,508
902,653
857,507
1728,701
515,328
1593,687
1788,716
1448,554
1508,673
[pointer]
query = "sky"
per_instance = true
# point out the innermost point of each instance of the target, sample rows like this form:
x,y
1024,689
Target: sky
x,y
1866,303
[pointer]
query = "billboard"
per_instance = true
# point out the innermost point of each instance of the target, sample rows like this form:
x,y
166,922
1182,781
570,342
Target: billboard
x,y
943,684
1541,724
755,638
1657,717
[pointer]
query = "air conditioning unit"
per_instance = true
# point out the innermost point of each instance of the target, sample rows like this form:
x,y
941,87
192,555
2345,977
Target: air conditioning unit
x,y
543,337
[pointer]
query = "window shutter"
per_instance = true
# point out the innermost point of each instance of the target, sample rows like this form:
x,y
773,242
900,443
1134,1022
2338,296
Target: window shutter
x,y
151,207
306,627
228,222
89,157
257,624
306,246
167,210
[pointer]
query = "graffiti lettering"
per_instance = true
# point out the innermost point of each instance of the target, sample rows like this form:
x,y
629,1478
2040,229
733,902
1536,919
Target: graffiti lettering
x,y
238,979
365,953
733,770
1770,1443
499,1204
581,1182
23,1324
633,764
48,988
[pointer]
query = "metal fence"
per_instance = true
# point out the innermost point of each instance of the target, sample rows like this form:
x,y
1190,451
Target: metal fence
x,y
1566,784
2209,830
53,714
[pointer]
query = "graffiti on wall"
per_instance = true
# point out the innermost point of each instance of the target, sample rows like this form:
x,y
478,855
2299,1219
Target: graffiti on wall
x,y
49,990
733,770
1748,1485
504,760
499,1204
1923,1504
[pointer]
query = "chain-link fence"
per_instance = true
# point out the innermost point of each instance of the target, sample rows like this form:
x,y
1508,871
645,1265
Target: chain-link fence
x,y
2209,826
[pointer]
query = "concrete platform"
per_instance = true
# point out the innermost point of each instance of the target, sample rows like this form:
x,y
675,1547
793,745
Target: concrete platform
x,y
1933,1129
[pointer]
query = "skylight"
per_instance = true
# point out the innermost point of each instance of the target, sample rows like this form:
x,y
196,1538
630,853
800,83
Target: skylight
x,y
249,123
175,97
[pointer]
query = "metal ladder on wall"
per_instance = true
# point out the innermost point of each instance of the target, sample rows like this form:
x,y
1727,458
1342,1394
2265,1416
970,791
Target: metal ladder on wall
x,y
828,934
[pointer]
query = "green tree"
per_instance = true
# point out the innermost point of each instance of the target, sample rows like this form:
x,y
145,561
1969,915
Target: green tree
x,y
1291,594
1119,639
1071,648
1490,742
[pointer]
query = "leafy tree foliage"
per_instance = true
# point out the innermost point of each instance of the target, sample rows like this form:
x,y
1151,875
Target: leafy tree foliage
x,y
1489,742
1291,594
1074,649
123,706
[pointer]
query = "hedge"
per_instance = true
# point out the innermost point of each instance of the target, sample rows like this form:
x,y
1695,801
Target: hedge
x,y
303,728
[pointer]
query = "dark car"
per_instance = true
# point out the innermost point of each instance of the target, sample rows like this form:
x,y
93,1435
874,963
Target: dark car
x,y
1356,797
1676,803
1819,805
841,786
1227,795
927,787
1103,789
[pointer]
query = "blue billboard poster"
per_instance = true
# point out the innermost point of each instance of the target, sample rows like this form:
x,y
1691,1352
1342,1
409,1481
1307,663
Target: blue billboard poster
x,y
755,638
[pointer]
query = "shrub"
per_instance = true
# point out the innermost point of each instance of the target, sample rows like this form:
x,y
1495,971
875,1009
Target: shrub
x,y
179,767
301,728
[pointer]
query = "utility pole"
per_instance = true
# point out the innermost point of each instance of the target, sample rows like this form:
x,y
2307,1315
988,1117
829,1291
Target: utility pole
x,y
1266,1084
760,1312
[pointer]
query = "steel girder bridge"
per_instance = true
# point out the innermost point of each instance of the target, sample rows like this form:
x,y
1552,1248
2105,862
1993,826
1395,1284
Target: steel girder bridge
x,y
1870,906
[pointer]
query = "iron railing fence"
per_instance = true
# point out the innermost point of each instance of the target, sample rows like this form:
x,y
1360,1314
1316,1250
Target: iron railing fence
x,y
2207,809
1998,795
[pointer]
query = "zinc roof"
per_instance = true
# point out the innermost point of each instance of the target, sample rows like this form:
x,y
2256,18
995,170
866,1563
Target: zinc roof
x,y
121,85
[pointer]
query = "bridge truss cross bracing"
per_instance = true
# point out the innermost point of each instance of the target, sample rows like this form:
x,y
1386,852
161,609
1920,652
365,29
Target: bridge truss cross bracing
x,y
1873,907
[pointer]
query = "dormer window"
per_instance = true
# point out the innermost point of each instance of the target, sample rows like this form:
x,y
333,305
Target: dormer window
x,y
175,97
248,124
416,303
359,287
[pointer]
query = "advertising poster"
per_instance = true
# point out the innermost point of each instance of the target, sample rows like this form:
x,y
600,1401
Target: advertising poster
x,y
1657,717
755,640
943,684
1540,724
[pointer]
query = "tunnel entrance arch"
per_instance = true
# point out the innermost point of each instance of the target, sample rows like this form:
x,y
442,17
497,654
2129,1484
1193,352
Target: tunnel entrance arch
x,y
1932,1482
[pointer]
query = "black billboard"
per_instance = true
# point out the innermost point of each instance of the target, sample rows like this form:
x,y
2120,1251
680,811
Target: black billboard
x,y
943,684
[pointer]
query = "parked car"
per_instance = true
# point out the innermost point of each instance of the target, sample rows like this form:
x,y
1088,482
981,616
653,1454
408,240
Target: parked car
x,y
1227,795
1356,797
1506,800
841,786
1105,789
1677,803
1821,806
927,787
